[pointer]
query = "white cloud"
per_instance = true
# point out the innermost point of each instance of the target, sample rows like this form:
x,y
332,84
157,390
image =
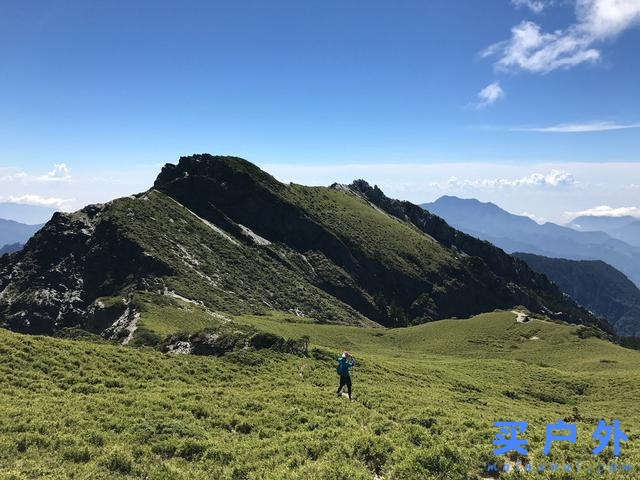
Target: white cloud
x,y
490,94
554,178
60,172
63,189
579,127
9,175
606,18
606,211
533,50
535,6
30,199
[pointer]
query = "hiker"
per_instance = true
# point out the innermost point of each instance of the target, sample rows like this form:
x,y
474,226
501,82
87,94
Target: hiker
x,y
345,362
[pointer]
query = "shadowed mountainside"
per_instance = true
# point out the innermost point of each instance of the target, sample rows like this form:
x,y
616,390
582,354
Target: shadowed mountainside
x,y
596,286
221,233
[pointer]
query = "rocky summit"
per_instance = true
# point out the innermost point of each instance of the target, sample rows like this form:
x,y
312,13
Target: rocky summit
x,y
221,235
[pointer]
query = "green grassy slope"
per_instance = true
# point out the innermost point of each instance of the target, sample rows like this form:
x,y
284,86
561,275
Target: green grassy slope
x,y
381,236
425,401
213,267
221,232
133,247
490,336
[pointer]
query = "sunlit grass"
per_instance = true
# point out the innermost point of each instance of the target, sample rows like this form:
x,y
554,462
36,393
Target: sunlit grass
x,y
425,401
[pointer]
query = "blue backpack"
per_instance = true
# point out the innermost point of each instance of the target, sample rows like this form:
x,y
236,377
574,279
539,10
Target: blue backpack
x,y
342,368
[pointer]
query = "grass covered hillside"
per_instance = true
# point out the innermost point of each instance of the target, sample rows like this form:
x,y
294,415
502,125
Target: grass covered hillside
x,y
138,246
220,233
392,267
425,399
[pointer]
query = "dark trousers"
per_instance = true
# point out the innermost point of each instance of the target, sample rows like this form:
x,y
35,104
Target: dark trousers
x,y
345,380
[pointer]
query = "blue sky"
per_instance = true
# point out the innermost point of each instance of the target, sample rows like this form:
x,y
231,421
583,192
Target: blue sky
x,y
484,99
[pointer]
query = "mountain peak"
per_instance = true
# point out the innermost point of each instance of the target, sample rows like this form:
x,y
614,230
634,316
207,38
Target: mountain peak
x,y
221,168
452,200
476,216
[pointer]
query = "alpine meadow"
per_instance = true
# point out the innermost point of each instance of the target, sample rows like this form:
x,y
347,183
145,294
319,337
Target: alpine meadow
x,y
320,240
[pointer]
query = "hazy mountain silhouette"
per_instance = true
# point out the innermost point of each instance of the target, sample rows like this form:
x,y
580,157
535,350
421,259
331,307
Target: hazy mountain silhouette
x,y
16,232
10,248
625,228
517,233
29,214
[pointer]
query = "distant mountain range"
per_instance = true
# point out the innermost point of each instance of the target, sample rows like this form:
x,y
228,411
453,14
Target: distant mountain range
x,y
15,232
29,214
10,248
596,286
516,233
625,228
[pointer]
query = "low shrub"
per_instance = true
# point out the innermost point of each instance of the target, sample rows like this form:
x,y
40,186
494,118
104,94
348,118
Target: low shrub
x,y
77,455
118,462
191,449
373,451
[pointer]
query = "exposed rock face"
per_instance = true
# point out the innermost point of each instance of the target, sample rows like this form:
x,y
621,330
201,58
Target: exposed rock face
x,y
223,233
74,259
124,326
